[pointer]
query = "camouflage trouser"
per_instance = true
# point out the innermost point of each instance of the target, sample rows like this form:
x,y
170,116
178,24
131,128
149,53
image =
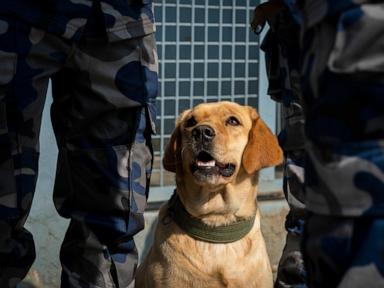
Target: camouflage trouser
x,y
291,271
343,88
104,98
280,48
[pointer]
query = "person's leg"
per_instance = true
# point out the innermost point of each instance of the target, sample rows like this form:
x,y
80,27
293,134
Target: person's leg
x,y
103,114
291,270
344,184
344,87
281,46
27,57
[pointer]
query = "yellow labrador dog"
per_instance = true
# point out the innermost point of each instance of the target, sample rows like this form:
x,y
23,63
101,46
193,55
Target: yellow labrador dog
x,y
208,235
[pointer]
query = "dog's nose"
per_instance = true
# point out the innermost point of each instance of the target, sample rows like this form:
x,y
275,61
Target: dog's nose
x,y
204,133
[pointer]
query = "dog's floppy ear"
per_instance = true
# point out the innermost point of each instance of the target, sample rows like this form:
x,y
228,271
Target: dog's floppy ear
x,y
262,149
172,153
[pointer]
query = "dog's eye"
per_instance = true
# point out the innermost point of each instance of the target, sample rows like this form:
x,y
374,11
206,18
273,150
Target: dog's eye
x,y
233,121
190,122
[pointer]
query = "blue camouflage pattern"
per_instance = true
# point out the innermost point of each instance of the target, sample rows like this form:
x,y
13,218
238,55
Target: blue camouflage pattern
x,y
311,12
343,86
280,45
103,115
68,18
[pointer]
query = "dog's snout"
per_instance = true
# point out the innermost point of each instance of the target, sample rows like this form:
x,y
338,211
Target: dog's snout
x,y
204,133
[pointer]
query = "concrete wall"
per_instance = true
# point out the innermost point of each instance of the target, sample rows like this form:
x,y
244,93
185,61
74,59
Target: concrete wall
x,y
48,228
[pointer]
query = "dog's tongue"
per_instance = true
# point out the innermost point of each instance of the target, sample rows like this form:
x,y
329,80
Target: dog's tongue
x,y
211,163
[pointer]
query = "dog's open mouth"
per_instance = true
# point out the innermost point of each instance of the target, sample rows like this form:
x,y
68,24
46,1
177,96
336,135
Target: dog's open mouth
x,y
206,165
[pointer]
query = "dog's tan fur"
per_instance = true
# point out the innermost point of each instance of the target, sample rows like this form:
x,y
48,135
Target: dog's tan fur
x,y
176,259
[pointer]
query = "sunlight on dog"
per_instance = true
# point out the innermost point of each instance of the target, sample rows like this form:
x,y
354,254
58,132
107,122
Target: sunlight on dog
x,y
208,234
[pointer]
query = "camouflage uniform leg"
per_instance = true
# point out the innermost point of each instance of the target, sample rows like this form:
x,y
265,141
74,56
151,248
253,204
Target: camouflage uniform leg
x,y
283,74
26,61
343,71
102,116
291,271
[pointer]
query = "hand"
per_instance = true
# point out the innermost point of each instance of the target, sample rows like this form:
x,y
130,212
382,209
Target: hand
x,y
264,12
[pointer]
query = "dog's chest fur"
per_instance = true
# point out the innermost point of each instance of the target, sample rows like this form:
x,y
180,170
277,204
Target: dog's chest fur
x,y
201,264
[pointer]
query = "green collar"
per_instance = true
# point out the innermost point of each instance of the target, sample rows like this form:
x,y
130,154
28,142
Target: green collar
x,y
201,231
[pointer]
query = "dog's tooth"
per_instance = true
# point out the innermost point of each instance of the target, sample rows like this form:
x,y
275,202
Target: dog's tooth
x,y
211,163
206,164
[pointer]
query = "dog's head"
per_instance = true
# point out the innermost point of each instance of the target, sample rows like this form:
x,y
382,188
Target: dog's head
x,y
213,142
